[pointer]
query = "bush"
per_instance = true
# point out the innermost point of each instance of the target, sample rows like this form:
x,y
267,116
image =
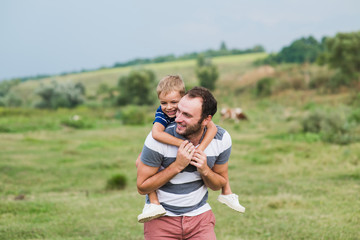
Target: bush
x,y
354,99
337,81
312,123
354,116
67,95
206,73
132,115
137,88
263,87
318,81
12,100
77,122
332,128
116,182
298,83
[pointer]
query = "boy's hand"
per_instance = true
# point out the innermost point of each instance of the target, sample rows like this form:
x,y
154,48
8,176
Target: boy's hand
x,y
185,154
199,160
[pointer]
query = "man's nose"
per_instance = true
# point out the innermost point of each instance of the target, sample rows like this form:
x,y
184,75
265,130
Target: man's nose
x,y
178,117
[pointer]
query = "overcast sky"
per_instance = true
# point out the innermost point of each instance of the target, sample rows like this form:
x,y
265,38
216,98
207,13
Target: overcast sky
x,y
54,36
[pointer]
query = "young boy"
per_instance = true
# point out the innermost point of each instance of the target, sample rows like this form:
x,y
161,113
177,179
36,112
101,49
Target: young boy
x,y
170,90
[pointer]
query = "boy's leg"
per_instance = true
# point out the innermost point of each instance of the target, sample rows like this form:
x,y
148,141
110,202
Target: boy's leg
x,y
152,210
226,190
153,198
229,198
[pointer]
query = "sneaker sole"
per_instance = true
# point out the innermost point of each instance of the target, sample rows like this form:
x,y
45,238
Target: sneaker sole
x,y
149,218
223,202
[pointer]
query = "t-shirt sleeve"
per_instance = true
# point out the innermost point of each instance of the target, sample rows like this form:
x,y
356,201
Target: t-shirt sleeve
x,y
160,117
151,154
226,149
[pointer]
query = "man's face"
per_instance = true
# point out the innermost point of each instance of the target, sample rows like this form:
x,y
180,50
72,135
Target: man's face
x,y
188,116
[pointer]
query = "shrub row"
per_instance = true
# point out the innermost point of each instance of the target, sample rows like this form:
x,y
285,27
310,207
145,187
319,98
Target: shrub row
x,y
333,127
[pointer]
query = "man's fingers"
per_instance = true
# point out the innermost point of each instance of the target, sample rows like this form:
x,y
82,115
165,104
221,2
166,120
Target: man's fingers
x,y
183,144
189,148
194,163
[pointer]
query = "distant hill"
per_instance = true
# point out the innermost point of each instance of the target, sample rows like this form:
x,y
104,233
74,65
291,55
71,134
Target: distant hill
x,y
223,51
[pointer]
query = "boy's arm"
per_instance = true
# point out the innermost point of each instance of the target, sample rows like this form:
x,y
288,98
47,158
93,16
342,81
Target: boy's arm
x,y
159,134
209,135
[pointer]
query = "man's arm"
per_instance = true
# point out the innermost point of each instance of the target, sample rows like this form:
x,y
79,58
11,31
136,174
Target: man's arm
x,y
214,178
149,179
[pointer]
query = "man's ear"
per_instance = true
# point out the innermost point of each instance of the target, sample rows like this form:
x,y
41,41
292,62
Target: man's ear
x,y
206,120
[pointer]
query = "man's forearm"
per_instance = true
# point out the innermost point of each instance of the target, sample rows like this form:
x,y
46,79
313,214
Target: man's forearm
x,y
213,180
157,180
149,179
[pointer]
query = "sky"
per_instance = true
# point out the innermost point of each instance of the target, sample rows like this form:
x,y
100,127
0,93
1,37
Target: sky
x,y
52,37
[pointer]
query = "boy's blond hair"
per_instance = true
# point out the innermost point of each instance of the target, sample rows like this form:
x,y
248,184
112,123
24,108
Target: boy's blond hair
x,y
171,83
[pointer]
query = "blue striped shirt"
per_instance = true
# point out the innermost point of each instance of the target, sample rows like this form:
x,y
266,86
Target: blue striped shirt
x,y
162,118
186,193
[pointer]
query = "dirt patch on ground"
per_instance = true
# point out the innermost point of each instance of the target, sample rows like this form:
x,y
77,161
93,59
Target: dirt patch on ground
x,y
252,77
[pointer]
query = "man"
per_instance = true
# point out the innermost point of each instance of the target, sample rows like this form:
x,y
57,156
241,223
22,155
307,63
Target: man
x,y
185,172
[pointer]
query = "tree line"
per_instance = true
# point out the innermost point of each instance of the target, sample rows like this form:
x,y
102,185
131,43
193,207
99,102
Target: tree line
x,y
222,51
341,53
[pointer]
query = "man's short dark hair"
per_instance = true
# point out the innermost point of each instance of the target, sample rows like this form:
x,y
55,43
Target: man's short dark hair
x,y
209,103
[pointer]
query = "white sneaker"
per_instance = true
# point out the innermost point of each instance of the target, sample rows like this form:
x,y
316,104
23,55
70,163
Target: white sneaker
x,y
151,211
232,201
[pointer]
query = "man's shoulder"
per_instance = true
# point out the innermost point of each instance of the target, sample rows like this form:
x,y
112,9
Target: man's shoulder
x,y
221,133
152,143
171,128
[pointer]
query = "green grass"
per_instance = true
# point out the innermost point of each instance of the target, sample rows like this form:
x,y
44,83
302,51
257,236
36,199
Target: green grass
x,y
292,187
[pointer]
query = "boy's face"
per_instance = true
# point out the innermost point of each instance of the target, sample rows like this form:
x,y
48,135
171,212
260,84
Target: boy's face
x,y
169,103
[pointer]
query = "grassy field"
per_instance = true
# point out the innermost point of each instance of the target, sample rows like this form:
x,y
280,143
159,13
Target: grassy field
x,y
53,177
293,185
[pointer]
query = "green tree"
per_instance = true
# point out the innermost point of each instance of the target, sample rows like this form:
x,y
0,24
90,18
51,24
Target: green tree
x,y
342,52
6,85
206,72
223,47
55,95
137,88
300,51
12,100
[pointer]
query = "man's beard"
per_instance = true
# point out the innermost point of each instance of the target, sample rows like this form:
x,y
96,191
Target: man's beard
x,y
192,130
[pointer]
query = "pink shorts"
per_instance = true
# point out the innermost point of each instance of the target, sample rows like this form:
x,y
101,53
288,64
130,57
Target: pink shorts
x,y
197,227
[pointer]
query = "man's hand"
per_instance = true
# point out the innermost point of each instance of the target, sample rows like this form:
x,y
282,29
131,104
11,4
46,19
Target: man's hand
x,y
214,178
199,160
185,154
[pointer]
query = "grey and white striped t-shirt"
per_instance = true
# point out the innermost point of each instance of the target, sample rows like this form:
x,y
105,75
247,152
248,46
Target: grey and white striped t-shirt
x,y
185,194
